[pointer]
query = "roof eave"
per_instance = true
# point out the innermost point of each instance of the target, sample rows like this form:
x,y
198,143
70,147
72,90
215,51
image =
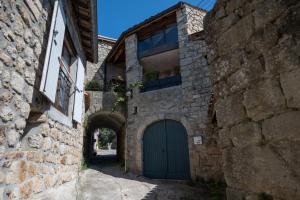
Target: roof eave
x,y
94,21
148,21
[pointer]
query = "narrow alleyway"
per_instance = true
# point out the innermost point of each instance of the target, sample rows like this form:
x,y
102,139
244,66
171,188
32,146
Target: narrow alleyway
x,y
109,182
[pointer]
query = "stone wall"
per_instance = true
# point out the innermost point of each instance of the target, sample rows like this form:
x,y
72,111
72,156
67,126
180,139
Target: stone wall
x,y
95,71
186,103
96,102
255,56
36,151
101,101
194,19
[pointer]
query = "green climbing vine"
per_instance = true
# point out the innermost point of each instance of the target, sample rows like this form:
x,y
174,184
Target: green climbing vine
x,y
119,89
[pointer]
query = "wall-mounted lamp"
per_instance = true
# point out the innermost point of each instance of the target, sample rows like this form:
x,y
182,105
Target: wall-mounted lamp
x,y
135,110
129,93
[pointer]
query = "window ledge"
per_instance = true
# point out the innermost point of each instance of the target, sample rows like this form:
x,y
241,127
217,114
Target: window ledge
x,y
56,115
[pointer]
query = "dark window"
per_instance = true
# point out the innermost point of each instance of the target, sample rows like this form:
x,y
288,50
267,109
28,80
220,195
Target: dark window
x,y
62,93
158,39
163,40
171,34
64,79
145,45
66,56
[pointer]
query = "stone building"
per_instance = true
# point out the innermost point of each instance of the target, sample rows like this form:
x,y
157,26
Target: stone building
x,y
100,114
219,100
44,47
95,71
254,52
251,65
167,53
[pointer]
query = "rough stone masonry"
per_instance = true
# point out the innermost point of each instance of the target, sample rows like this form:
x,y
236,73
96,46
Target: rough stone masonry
x,y
255,58
96,71
186,103
36,151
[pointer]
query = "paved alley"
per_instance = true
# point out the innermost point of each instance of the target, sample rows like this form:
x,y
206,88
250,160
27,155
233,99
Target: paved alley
x,y
109,182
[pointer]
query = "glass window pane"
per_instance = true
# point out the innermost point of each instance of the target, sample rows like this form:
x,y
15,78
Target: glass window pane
x,y
158,39
62,93
145,45
171,34
66,56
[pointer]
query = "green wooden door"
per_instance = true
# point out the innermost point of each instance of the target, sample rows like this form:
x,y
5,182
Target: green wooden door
x,y
165,151
155,155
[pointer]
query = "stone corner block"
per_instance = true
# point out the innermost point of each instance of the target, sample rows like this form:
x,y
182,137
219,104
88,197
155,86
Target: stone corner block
x,y
290,83
264,100
230,110
246,134
281,127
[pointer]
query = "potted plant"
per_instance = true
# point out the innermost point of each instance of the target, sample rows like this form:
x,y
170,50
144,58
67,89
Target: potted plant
x,y
87,100
151,81
150,76
93,86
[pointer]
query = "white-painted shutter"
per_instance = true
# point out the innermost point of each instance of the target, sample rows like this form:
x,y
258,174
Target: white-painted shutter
x,y
54,49
77,112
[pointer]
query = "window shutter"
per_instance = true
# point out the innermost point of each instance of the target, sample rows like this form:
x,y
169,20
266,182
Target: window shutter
x,y
54,49
77,113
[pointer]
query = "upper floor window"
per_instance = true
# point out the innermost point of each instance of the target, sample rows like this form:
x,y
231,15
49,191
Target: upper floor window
x,y
163,40
63,72
65,79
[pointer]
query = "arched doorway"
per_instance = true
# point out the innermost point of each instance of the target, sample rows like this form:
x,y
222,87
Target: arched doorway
x,y
99,126
165,151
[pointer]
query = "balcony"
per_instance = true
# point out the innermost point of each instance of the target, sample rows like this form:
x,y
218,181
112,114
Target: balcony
x,y
161,83
161,41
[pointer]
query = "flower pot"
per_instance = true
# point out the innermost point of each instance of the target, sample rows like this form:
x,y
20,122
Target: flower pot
x,y
87,100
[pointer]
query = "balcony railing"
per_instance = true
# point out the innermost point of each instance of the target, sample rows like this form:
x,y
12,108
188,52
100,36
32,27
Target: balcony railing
x,y
161,83
159,49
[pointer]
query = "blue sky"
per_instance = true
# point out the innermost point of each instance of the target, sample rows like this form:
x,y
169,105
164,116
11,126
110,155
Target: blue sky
x,y
116,16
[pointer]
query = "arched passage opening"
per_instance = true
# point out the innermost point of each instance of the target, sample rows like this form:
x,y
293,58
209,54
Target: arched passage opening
x,y
104,143
104,137
165,151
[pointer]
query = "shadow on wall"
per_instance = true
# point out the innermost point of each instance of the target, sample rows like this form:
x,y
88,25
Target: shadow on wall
x,y
38,103
99,76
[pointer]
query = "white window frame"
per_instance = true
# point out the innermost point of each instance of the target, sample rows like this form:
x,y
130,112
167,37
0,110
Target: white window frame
x,y
48,87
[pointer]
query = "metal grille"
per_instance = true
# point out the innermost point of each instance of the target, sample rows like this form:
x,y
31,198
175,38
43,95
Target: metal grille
x,y
63,92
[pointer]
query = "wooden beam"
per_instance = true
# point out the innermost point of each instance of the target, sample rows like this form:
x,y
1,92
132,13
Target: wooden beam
x,y
156,26
140,27
87,42
84,11
84,23
82,4
119,53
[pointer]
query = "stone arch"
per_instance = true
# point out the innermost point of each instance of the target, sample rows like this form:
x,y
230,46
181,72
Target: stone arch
x,y
155,118
105,119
